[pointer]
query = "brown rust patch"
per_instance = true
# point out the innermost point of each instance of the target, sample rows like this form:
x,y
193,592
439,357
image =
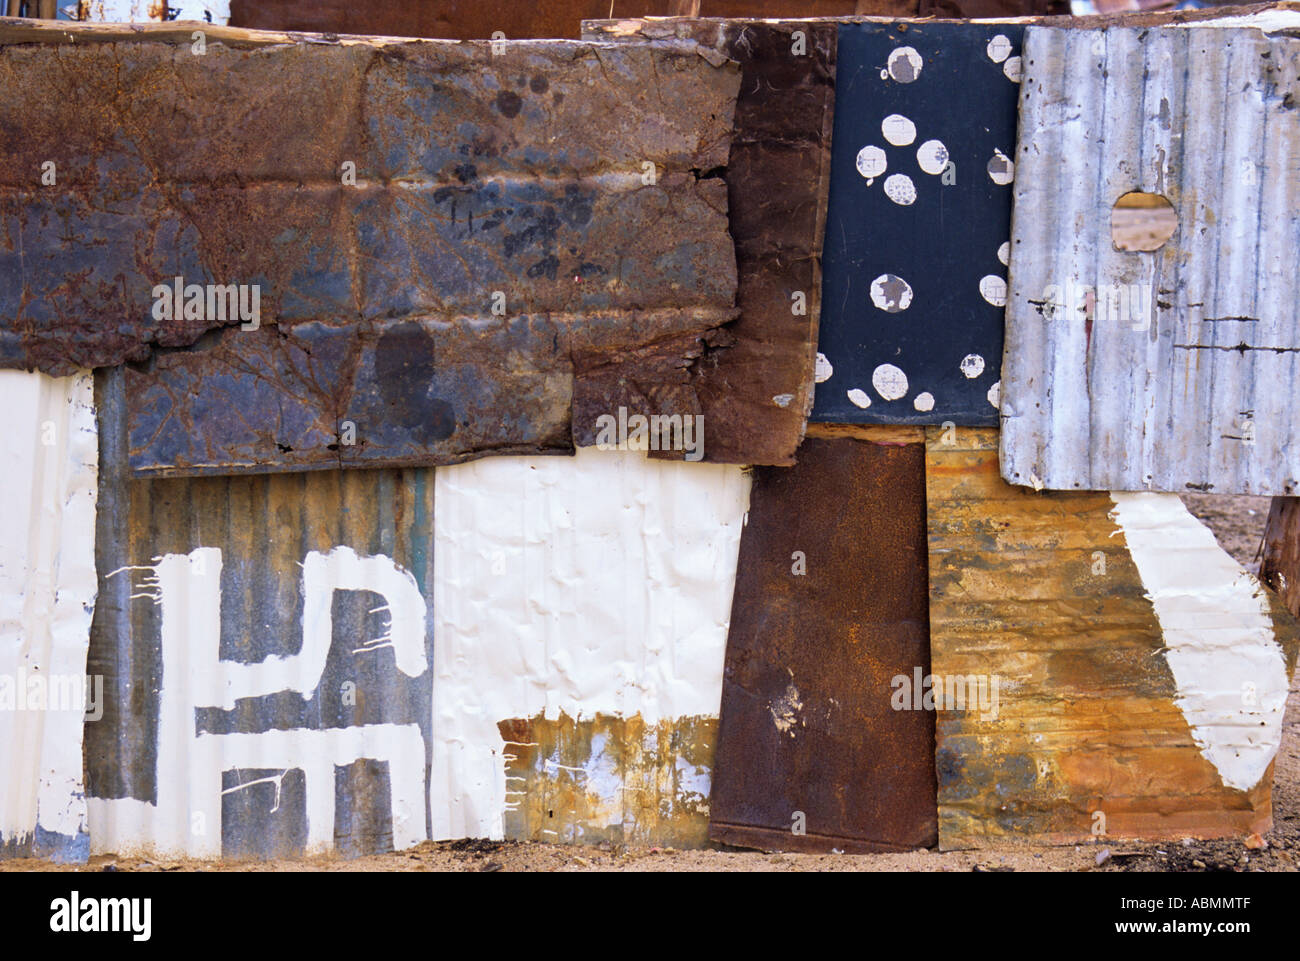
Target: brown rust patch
x,y
608,779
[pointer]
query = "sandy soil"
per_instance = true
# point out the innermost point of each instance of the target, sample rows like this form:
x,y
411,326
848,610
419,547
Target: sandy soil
x,y
1238,522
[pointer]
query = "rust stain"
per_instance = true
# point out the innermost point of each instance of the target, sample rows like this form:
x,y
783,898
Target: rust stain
x,y
608,779
1280,567
829,610
1087,733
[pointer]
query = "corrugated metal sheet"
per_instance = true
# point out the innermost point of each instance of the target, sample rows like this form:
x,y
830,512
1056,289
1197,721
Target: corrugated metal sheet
x,y
47,590
924,121
829,611
581,610
513,226
1137,675
1180,373
1280,566
777,178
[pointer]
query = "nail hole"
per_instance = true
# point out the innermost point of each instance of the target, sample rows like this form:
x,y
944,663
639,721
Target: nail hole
x,y
1142,221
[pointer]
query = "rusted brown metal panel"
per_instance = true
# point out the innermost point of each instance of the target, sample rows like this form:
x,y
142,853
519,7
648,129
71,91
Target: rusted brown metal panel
x,y
608,779
830,608
1280,567
777,178
1122,701
413,255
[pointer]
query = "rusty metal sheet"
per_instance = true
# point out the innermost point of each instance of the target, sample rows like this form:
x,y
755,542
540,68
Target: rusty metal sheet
x,y
1169,370
777,179
1132,676
596,259
829,611
1280,566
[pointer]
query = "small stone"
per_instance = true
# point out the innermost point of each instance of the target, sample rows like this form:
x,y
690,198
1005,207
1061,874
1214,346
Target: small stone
x,y
1103,856
491,866
1199,865
1255,842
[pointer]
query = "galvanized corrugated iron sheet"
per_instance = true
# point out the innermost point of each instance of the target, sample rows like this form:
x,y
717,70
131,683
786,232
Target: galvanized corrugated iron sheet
x,y
829,610
1280,566
47,590
1177,370
777,179
1136,675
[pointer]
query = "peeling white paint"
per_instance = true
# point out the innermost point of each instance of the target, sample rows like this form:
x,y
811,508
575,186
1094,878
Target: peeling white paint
x,y
859,398
871,163
1218,634
900,189
932,156
994,290
904,65
972,365
614,597
822,369
48,489
891,293
923,401
898,130
999,48
890,382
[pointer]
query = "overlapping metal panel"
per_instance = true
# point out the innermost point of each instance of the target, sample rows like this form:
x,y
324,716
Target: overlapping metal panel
x,y
1170,370
391,255
47,592
1131,677
581,608
830,612
777,177
1280,566
918,230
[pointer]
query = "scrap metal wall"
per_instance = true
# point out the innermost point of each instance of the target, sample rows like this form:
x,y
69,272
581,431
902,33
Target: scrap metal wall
x,y
47,593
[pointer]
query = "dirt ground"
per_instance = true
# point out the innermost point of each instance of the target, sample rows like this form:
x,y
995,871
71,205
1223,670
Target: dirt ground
x,y
1238,522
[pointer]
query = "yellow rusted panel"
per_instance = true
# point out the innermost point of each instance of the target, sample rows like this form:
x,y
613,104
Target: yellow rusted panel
x,y
609,778
1095,722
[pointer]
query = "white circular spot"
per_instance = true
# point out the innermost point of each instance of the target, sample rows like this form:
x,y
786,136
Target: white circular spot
x,y
898,130
972,365
1001,170
905,64
1004,252
783,400
932,156
900,189
999,48
995,395
889,381
859,398
871,162
994,289
924,401
822,370
884,75
1013,69
891,293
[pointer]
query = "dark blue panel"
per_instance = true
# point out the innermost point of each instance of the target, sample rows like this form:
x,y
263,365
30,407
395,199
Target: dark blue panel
x,y
908,249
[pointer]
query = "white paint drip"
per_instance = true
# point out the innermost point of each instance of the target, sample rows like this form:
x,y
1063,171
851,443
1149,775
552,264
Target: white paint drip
x,y
898,130
615,598
1218,635
48,487
859,398
890,382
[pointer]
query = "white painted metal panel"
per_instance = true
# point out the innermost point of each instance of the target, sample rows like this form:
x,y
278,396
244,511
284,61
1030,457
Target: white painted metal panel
x,y
47,593
1198,391
598,583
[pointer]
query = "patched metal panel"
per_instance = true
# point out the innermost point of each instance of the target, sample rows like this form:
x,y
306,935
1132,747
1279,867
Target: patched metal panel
x,y
776,177
918,231
581,610
265,643
47,591
1280,566
370,248
830,611
1170,370
1120,674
